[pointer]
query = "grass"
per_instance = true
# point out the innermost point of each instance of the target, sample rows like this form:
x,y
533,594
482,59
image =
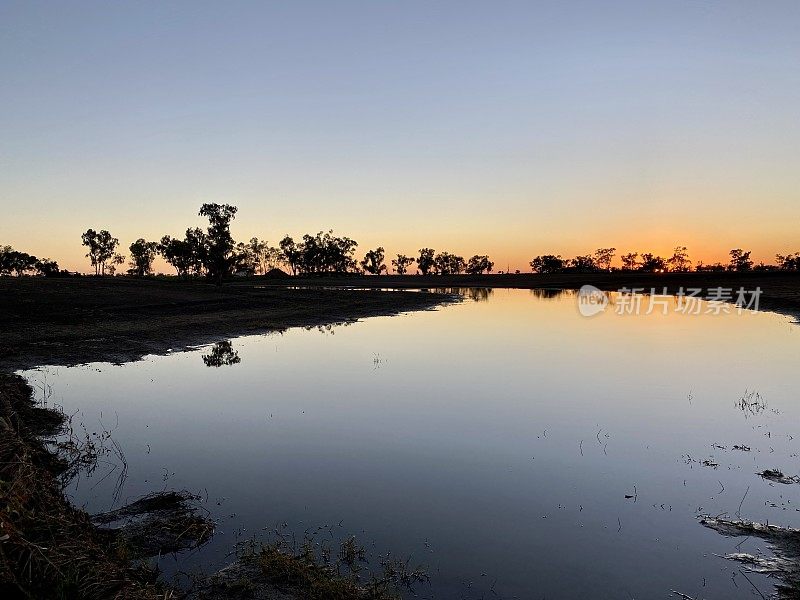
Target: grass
x,y
311,571
49,548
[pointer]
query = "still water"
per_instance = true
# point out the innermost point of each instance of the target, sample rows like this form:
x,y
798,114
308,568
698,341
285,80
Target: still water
x,y
511,445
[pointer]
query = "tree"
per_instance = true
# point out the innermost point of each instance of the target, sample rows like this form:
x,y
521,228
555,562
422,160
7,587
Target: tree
x,y
16,262
603,258
652,263
548,263
448,264
373,262
478,264
102,246
197,245
47,267
291,253
680,262
790,262
116,260
425,262
143,254
177,253
630,261
401,264
740,260
259,252
583,264
327,253
219,260
245,260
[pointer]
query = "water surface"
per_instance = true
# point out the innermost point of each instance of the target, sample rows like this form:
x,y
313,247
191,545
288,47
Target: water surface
x,y
494,441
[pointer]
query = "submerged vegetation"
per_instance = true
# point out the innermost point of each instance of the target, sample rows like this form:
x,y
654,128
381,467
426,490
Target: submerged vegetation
x,y
312,570
49,548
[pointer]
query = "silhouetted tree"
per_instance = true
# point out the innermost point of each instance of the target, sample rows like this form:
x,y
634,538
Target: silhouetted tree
x,y
479,264
198,247
548,263
219,259
47,267
630,261
448,264
426,260
603,258
116,260
102,246
143,253
16,262
583,264
790,262
740,260
401,264
680,262
327,253
259,252
291,253
652,263
177,253
373,262
245,261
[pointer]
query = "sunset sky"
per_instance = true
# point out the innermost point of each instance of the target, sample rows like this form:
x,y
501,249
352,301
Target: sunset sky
x,y
512,128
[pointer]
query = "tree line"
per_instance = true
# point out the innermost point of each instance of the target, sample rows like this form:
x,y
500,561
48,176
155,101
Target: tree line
x,y
679,262
14,262
213,253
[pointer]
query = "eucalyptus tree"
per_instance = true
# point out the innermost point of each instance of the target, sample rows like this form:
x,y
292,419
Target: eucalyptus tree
x,y
426,260
740,260
479,264
630,261
603,258
373,262
102,247
448,264
679,261
220,258
143,253
401,263
548,263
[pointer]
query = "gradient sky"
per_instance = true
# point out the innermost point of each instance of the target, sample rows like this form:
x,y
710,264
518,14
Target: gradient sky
x,y
501,127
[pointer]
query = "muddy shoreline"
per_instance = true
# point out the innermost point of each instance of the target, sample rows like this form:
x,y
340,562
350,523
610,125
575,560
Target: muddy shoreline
x,y
74,321
86,319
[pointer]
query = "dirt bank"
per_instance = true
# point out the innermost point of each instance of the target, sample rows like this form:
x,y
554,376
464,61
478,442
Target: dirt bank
x,y
71,321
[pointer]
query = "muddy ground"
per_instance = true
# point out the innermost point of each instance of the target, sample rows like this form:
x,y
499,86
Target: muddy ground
x,y
78,320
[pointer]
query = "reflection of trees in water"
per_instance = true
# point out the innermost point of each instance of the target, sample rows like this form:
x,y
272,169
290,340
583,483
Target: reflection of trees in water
x,y
478,294
328,328
550,293
222,354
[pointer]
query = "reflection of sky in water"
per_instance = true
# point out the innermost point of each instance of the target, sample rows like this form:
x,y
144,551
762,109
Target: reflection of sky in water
x,y
497,437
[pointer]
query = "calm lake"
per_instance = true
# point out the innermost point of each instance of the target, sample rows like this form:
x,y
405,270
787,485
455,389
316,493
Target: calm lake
x,y
511,445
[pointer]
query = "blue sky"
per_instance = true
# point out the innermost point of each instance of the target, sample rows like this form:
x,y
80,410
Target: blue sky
x,y
508,128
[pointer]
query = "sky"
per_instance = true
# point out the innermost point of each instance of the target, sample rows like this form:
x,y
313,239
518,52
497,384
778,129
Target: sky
x,y
501,127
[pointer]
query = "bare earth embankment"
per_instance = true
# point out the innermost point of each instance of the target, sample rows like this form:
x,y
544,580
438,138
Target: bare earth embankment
x,y
70,321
